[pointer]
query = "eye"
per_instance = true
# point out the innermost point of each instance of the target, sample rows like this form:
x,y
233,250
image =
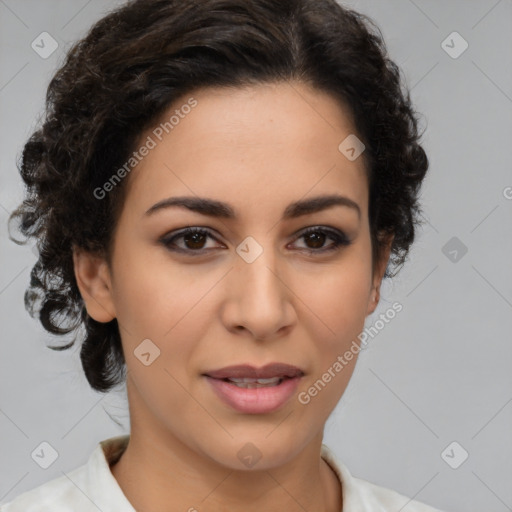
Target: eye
x,y
194,240
316,236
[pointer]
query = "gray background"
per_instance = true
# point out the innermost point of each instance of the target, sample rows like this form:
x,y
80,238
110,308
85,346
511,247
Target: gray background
x,y
439,372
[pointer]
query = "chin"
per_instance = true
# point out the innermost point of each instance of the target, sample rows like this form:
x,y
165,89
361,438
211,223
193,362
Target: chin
x,y
256,453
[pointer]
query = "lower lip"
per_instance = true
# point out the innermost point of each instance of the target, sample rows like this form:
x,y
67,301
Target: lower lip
x,y
256,400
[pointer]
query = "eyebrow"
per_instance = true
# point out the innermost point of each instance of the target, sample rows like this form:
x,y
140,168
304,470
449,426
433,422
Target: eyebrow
x,y
219,209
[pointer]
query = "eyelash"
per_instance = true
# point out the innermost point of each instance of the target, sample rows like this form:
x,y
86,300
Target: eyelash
x,y
339,240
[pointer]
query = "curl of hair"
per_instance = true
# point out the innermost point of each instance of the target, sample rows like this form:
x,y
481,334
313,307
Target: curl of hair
x,y
139,59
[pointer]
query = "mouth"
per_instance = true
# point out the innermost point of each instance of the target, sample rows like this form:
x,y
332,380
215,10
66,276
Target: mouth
x,y
247,383
255,390
268,375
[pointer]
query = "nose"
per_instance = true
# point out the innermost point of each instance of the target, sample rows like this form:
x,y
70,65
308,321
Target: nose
x,y
259,299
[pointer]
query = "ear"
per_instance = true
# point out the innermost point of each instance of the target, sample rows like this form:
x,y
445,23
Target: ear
x,y
94,282
378,274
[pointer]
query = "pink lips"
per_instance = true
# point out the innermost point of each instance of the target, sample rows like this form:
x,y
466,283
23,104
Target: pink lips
x,y
259,400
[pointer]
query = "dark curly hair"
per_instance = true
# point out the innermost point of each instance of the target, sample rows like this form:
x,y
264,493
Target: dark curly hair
x,y
137,60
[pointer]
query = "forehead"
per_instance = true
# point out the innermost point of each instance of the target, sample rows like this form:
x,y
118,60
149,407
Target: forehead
x,y
260,145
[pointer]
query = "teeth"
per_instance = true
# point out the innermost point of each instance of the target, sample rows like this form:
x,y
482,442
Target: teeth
x,y
260,381
250,383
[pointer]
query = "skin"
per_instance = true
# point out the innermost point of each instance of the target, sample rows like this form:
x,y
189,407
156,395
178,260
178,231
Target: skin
x,y
259,149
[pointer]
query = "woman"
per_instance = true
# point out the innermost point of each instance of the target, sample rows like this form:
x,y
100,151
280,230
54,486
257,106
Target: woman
x,y
218,190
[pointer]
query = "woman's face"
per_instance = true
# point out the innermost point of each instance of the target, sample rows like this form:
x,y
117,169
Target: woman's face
x,y
251,288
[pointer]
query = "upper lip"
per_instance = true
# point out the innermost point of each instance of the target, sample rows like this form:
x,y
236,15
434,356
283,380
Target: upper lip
x,y
247,371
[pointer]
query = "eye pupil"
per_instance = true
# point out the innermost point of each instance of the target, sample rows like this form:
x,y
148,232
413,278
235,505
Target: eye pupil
x,y
318,238
196,239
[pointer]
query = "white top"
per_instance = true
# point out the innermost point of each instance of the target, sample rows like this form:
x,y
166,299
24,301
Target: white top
x,y
92,487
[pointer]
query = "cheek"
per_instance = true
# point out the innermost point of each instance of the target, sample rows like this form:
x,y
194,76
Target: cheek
x,y
169,304
338,296
153,295
158,303
339,299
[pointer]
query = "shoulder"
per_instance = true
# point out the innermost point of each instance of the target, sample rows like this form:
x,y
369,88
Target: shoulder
x,y
58,495
363,496
384,499
90,487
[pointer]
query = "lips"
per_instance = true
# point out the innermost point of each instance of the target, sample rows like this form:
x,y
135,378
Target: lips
x,y
269,371
253,390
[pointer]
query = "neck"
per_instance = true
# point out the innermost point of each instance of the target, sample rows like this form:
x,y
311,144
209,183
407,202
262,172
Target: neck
x,y
153,477
160,473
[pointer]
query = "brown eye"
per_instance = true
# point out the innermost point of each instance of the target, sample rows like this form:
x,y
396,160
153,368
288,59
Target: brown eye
x,y
194,241
316,237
